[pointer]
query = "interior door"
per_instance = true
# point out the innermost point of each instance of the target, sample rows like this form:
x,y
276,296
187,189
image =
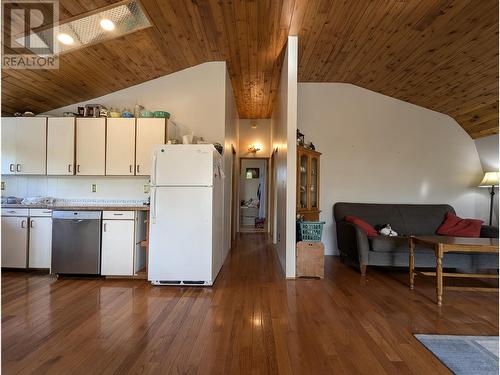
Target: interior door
x,y
120,146
61,146
150,133
9,145
40,244
14,241
180,242
31,145
90,146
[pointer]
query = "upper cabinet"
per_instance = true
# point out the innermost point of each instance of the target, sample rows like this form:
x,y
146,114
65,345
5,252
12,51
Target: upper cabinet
x,y
120,146
308,183
150,132
24,145
90,146
61,145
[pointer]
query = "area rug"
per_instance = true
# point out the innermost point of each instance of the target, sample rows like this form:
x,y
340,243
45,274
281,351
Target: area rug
x,y
464,355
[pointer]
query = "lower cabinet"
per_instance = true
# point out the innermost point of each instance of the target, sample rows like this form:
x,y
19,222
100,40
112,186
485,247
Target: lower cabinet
x,y
118,246
40,242
14,242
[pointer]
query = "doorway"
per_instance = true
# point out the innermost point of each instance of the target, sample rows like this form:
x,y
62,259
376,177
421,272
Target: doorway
x,y
254,189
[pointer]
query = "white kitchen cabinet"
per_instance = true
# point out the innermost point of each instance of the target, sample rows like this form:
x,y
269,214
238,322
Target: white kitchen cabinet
x,y
61,146
40,242
24,145
90,146
120,146
14,241
150,132
118,245
9,145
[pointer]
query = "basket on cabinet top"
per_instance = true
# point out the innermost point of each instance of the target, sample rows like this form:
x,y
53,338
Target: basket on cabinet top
x,y
310,231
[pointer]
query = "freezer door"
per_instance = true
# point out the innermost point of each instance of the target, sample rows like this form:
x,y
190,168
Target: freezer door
x,y
180,242
182,165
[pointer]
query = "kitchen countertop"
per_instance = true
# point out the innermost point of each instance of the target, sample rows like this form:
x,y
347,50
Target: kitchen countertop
x,y
81,208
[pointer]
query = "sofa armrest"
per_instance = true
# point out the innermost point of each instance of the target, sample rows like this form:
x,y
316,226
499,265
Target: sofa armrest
x,y
489,231
353,242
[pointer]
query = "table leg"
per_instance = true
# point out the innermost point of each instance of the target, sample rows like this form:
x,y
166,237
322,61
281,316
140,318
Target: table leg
x,y
412,263
439,275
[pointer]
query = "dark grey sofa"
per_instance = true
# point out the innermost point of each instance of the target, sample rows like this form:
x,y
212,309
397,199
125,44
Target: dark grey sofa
x,y
406,219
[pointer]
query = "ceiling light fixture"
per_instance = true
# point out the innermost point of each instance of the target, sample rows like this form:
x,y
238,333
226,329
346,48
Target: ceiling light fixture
x,y
65,38
107,24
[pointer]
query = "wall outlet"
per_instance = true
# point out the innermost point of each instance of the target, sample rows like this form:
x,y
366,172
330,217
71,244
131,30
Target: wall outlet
x,y
93,188
2,186
146,188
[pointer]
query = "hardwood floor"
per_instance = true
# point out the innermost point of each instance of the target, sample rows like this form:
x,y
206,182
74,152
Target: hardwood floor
x,y
252,321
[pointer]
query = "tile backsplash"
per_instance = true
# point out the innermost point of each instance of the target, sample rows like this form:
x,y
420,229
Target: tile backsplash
x,y
75,187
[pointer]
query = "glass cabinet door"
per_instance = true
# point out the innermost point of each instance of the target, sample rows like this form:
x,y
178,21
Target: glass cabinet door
x,y
313,187
303,170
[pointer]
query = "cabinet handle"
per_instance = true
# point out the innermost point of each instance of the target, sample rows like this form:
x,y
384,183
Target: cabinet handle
x,y
104,227
31,223
69,168
138,168
23,223
118,214
78,168
18,167
130,168
11,168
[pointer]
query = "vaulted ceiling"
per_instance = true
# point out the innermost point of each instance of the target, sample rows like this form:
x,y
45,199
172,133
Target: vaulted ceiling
x,y
439,54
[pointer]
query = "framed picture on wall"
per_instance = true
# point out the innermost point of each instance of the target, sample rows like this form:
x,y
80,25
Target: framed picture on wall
x,y
252,173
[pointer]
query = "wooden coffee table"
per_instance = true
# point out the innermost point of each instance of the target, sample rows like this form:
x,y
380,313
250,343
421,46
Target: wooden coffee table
x,y
442,245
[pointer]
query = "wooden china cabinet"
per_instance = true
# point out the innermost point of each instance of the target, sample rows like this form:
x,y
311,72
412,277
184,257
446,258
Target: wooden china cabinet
x,y
308,183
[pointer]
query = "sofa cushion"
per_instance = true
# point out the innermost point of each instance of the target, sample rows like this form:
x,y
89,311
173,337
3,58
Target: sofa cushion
x,y
456,226
367,228
389,244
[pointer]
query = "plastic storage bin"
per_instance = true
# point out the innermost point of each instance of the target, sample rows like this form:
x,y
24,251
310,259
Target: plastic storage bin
x,y
310,231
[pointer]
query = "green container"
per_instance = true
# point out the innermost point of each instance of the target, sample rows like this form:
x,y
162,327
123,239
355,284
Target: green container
x,y
310,231
162,114
147,114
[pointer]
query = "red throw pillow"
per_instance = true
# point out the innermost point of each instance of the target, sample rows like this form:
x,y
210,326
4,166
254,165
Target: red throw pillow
x,y
458,227
367,228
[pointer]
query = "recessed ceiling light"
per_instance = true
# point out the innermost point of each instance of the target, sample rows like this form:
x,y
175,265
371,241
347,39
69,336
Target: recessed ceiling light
x,y
65,38
107,25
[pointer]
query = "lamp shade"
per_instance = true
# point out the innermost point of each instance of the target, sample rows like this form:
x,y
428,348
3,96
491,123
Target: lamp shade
x,y
489,179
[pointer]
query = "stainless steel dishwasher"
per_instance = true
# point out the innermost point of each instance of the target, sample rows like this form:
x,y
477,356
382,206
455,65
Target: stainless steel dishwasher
x,y
76,242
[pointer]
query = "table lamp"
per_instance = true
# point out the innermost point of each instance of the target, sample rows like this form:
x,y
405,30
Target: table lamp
x,y
490,180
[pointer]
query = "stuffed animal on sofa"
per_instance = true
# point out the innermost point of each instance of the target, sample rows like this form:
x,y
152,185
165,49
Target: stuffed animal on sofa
x,y
386,230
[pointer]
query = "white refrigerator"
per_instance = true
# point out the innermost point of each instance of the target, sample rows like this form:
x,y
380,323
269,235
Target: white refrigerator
x,y
186,208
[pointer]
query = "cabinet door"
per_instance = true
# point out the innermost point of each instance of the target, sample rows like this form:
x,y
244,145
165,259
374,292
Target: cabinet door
x,y
90,146
40,244
31,145
117,247
150,132
14,241
9,145
302,181
314,183
61,146
120,146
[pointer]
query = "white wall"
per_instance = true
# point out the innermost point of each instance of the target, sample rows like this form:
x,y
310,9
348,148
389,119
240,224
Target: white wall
x,y
231,135
283,133
193,96
260,135
249,187
487,148
76,187
379,149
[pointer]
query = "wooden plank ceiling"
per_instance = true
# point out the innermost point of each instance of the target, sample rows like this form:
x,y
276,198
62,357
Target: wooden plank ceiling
x,y
439,54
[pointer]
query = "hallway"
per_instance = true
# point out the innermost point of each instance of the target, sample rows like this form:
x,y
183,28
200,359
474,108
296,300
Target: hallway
x,y
251,321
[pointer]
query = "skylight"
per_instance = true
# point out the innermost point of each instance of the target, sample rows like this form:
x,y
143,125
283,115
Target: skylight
x,y
95,28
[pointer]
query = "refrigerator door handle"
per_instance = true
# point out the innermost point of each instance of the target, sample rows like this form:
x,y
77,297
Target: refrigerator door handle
x,y
153,172
152,212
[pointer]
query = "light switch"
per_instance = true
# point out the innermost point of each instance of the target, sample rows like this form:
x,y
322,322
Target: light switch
x,y
93,188
146,188
3,185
